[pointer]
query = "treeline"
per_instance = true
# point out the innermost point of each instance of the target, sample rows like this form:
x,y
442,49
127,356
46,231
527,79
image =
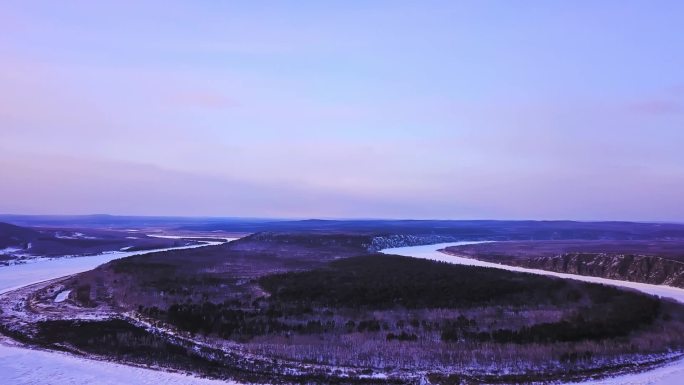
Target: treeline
x,y
227,321
111,337
386,281
311,302
617,319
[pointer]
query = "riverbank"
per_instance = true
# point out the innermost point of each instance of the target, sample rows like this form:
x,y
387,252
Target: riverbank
x,y
21,364
670,373
427,252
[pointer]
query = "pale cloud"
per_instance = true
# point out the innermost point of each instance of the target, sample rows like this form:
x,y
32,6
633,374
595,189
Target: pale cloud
x,y
201,98
61,184
656,107
37,183
385,110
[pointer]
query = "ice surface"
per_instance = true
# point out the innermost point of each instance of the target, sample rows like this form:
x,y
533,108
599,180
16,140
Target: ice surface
x,y
19,365
16,276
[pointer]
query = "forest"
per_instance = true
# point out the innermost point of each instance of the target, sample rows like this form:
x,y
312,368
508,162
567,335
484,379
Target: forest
x,y
364,284
320,303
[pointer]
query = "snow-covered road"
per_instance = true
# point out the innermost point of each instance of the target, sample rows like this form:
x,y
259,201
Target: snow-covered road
x,y
24,366
670,374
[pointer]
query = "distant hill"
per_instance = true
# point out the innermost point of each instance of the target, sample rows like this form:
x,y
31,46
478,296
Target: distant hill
x,y
16,236
448,230
453,230
123,221
21,243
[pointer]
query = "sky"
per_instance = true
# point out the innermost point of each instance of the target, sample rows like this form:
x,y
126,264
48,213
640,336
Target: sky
x,y
344,109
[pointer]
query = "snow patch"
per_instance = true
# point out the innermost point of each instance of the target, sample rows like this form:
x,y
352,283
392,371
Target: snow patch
x,y
227,239
62,296
9,250
75,235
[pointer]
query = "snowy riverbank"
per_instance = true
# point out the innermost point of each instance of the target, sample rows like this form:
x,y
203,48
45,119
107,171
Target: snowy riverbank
x,y
20,365
670,374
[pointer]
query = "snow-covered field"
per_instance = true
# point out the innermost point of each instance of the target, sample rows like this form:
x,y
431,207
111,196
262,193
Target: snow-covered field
x,y
670,374
19,365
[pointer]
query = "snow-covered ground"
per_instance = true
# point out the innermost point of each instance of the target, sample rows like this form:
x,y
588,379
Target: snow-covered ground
x,y
62,296
670,374
19,365
72,235
10,250
186,236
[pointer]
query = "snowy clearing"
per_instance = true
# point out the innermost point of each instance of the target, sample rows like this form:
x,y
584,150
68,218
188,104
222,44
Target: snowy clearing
x,y
62,296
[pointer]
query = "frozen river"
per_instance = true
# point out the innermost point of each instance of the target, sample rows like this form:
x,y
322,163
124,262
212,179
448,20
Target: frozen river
x,y
21,366
16,276
26,366
670,374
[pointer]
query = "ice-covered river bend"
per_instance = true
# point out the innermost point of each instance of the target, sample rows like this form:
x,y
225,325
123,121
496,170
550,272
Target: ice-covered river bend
x,y
19,365
23,366
670,374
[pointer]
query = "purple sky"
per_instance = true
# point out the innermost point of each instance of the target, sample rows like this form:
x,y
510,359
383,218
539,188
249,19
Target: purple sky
x,y
454,109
